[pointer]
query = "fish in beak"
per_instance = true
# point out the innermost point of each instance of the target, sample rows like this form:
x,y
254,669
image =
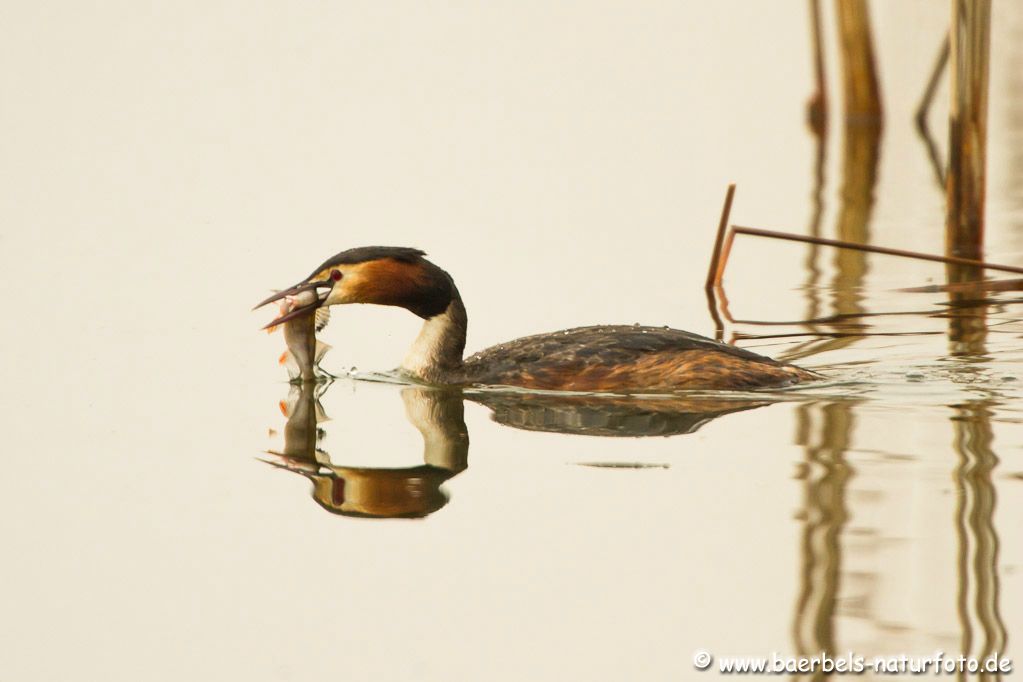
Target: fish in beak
x,y
301,299
301,315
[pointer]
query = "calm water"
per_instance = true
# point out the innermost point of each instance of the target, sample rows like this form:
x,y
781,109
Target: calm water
x,y
166,166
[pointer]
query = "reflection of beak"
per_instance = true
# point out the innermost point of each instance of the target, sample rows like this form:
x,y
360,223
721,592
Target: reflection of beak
x,y
293,464
297,290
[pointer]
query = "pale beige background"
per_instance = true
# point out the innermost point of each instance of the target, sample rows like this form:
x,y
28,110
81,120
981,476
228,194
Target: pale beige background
x,y
165,164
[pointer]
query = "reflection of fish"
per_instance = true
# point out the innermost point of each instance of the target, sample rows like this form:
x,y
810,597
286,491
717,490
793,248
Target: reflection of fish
x,y
304,351
302,432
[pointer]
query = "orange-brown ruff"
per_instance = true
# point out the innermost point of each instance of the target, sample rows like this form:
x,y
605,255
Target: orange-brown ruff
x,y
616,358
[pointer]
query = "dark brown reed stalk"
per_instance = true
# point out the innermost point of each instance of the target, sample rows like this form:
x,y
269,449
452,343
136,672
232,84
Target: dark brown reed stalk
x,y
955,260
714,271
712,306
970,51
817,107
859,73
713,276
967,148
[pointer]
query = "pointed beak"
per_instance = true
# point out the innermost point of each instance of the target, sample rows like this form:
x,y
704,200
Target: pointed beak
x,y
301,291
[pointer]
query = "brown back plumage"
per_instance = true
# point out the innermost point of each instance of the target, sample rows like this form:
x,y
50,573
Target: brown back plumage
x,y
626,358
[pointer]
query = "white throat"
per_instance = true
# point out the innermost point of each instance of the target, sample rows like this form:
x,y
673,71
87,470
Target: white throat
x,y
427,353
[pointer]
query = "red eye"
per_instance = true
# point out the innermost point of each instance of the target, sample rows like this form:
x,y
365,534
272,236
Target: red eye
x,y
336,275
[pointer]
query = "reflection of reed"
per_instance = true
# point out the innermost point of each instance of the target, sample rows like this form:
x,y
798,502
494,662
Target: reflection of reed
x,y
824,516
813,271
967,321
925,105
860,153
817,107
827,475
816,216
861,150
861,147
978,594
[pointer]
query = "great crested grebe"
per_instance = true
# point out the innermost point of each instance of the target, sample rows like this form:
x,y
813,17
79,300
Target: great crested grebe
x,y
616,358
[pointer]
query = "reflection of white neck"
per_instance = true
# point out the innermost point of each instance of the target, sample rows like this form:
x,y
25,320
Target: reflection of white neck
x,y
438,417
439,346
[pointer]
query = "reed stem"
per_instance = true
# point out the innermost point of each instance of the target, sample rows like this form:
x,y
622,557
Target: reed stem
x,y
970,51
713,275
954,260
859,73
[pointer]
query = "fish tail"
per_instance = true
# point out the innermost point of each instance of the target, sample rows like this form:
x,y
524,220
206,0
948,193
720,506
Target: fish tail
x,y
321,350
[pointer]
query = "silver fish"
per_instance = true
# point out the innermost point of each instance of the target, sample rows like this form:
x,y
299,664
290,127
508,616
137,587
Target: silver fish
x,y
304,351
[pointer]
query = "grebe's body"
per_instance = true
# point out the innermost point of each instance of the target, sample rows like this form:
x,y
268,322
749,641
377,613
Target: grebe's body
x,y
617,358
625,358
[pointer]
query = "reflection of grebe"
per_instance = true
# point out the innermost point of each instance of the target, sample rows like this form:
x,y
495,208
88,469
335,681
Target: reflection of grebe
x,y
606,415
410,492
603,358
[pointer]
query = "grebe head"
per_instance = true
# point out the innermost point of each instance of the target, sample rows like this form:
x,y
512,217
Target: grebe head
x,y
383,275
